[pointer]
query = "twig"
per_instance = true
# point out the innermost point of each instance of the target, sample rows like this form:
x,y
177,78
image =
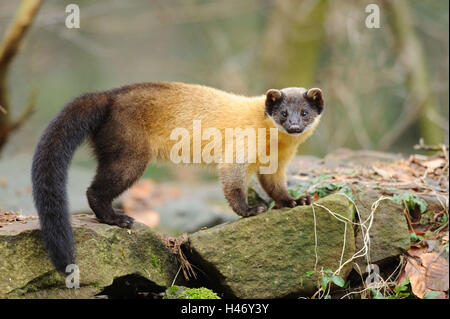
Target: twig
x,y
26,113
422,146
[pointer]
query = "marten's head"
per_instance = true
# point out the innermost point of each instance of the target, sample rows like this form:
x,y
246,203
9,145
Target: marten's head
x,y
294,110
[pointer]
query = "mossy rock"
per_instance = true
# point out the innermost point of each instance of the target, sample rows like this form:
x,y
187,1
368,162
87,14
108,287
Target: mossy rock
x,y
265,256
389,233
103,253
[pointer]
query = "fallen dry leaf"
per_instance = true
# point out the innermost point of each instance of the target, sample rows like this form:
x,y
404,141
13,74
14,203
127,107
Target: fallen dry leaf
x,y
416,274
383,173
431,165
430,274
436,276
417,251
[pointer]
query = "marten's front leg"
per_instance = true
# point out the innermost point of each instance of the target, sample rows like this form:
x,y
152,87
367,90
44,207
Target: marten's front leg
x,y
234,178
276,187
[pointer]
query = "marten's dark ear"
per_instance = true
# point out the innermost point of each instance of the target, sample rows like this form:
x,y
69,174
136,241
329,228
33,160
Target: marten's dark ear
x,y
315,97
273,98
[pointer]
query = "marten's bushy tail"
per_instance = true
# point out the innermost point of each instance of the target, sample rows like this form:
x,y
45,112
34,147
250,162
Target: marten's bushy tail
x,y
76,121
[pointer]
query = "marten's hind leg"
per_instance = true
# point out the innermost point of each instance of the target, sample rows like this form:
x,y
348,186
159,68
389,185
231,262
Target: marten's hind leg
x,y
121,164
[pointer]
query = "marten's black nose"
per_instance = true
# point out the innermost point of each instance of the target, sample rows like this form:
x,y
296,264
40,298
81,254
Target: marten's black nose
x,y
294,129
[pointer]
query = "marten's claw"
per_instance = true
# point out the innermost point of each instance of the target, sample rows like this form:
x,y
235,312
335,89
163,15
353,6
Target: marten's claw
x,y
287,203
304,200
118,219
255,210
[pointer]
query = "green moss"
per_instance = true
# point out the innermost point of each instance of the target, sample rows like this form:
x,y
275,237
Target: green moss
x,y
154,260
176,292
199,293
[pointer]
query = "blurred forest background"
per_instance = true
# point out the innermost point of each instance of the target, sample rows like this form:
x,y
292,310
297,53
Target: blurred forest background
x,y
385,87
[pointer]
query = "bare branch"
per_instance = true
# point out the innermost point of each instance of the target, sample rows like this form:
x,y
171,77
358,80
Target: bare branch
x,y
26,113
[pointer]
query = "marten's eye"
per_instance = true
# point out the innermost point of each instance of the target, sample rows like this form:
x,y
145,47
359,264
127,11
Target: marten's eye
x,y
284,114
303,113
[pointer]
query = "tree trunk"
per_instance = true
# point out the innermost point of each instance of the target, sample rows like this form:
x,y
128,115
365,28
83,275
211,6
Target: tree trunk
x,y
8,49
411,54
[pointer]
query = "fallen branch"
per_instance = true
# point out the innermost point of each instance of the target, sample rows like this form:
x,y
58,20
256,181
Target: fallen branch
x,y
437,148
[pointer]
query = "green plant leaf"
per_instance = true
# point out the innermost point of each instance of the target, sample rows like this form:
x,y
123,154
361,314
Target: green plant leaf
x,y
415,238
376,294
324,281
338,281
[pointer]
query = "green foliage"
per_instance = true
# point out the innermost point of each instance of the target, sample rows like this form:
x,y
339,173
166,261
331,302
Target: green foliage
x,y
325,189
330,188
296,193
328,277
347,191
412,201
415,238
377,294
429,218
426,218
431,295
400,292
308,274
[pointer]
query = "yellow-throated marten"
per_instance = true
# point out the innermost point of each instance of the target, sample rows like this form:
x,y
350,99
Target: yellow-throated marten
x,y
131,125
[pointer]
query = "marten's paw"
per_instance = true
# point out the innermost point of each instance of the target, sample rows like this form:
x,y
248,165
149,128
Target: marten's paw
x,y
304,200
255,210
287,203
118,219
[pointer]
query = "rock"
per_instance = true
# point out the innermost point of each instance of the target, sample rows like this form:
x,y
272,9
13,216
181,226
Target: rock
x,y
103,253
361,157
389,234
266,255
